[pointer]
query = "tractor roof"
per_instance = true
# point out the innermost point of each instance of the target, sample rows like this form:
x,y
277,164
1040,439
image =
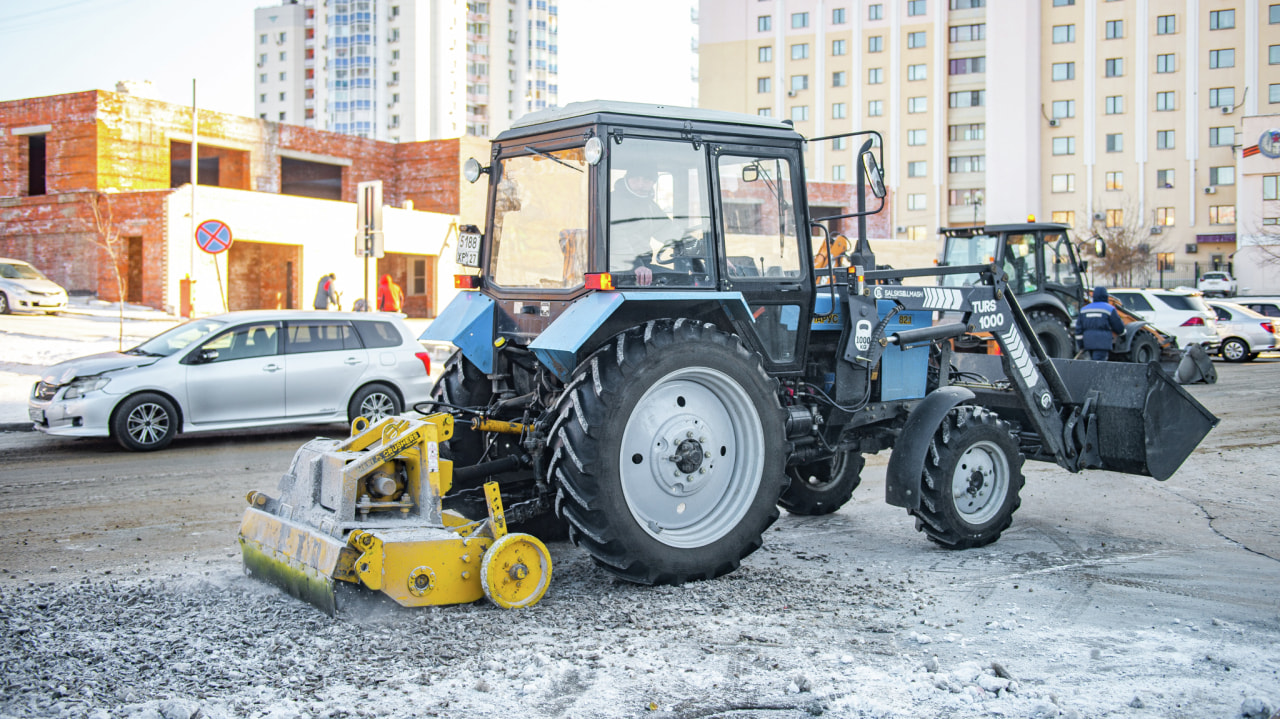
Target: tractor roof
x,y
970,231
640,114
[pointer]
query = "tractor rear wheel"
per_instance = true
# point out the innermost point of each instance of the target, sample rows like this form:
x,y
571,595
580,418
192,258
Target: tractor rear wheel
x,y
1143,349
823,487
972,477
668,453
1053,334
462,385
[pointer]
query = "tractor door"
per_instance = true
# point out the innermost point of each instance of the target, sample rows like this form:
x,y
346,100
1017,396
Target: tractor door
x,y
764,251
1062,276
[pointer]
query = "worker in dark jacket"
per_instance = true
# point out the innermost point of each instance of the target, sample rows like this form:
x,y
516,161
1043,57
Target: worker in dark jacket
x,y
1097,322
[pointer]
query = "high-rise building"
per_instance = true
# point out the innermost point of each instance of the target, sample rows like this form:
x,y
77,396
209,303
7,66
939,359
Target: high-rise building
x,y
1078,111
405,70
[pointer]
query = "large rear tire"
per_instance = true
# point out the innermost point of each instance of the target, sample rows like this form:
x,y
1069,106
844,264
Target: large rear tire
x,y
1053,334
462,385
822,487
668,453
972,477
1144,348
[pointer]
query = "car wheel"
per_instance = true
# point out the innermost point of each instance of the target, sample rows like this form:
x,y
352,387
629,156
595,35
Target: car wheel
x,y
1234,350
4,304
373,402
145,422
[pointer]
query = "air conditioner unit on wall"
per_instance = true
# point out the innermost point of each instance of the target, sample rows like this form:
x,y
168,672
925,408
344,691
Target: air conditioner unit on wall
x,y
1191,248
1099,216
900,229
1227,109
1157,230
1054,123
1210,190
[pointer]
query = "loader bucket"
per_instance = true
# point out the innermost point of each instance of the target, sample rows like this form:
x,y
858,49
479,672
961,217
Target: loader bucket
x,y
1146,424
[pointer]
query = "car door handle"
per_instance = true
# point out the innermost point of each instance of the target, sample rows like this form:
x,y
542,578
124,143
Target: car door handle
x,y
273,367
352,361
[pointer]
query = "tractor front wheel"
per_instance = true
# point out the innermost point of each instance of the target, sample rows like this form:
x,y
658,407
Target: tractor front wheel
x,y
668,453
972,477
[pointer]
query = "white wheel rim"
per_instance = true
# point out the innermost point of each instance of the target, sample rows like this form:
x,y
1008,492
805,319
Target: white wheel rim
x,y
1233,350
980,482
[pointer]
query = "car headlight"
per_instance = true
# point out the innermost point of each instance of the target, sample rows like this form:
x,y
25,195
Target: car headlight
x,y
83,386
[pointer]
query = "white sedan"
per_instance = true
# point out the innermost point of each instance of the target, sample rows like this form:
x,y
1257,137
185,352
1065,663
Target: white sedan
x,y
1244,333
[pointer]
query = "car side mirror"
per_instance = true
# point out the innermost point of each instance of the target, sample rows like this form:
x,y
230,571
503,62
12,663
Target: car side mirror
x,y
206,356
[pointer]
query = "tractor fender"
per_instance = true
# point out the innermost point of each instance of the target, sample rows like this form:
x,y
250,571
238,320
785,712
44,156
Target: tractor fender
x,y
468,322
906,463
600,315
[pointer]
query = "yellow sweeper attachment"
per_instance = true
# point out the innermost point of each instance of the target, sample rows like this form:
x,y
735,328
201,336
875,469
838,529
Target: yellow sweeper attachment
x,y
366,510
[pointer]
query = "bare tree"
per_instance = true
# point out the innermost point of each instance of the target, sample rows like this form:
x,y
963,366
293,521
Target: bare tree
x,y
106,235
1131,251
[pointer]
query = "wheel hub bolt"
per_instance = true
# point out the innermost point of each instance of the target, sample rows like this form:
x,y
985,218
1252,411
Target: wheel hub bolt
x,y
519,572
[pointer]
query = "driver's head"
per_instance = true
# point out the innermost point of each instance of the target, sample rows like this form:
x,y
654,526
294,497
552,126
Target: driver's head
x,y
641,177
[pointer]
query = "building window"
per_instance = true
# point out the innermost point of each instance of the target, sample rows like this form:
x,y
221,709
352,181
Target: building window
x,y
967,98
800,113
918,233
1064,217
1164,179
839,143
1273,55
1115,67
1063,3
968,33
1164,216
1273,93
1063,183
1165,140
839,79
1222,19
1115,142
972,131
1222,214
919,168
1167,63
916,201
1166,24
1064,108
875,108
967,4
764,84
917,72
282,97
875,11
1064,71
1064,145
1270,187
282,116
916,39
1167,100
1064,33
967,65
838,47
1115,180
1115,29
764,23
1222,136
262,39
283,56
800,51
875,75
1115,104
973,196
283,75
262,78
799,20
765,111
837,16
1115,218
916,7
875,43
967,163
1274,17
262,97
1221,176
837,173
798,83
917,137
917,104
1222,58
838,111
1222,97
765,54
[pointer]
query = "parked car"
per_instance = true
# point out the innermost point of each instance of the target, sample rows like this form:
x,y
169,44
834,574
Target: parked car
x,y
1269,306
1244,333
1216,283
241,369
1181,313
23,288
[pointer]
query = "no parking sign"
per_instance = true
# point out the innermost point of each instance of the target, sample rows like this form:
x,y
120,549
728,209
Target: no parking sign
x,y
213,236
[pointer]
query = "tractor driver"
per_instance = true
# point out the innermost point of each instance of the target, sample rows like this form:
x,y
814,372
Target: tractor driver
x,y
635,220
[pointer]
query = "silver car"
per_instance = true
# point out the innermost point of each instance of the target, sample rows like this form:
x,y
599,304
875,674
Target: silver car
x,y
1244,332
241,369
24,289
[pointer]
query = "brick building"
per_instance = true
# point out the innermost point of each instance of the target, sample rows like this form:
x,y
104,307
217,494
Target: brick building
x,y
287,193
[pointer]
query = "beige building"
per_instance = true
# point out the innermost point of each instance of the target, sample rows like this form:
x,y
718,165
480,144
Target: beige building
x,y
1120,112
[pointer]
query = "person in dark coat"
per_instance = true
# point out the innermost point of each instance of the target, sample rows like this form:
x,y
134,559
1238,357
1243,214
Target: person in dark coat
x,y
326,292
1096,325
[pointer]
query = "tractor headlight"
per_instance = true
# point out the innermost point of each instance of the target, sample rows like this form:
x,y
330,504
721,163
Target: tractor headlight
x,y
83,386
594,150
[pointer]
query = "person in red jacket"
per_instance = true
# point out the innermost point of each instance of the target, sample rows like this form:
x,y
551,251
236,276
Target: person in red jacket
x,y
390,296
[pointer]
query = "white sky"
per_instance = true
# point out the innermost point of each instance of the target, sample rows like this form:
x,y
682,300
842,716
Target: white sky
x,y
608,50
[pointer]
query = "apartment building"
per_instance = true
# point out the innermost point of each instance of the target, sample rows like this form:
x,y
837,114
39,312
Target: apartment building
x,y
405,70
1078,111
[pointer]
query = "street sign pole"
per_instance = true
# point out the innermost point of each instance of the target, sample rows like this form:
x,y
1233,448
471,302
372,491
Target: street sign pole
x,y
368,226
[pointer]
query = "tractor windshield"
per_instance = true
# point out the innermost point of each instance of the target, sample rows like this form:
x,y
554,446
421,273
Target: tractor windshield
x,y
540,220
974,250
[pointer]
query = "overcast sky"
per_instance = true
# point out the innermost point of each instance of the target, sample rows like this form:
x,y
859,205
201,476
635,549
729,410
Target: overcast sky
x,y
50,47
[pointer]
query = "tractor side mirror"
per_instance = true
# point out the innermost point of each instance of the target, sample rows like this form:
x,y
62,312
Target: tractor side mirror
x,y
872,171
750,173
1099,246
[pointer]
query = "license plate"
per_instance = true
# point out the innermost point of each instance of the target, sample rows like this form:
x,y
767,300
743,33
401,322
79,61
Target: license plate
x,y
469,249
36,415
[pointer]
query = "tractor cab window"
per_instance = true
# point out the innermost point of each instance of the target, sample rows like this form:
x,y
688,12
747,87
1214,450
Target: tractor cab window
x,y
1060,260
658,214
540,220
759,218
974,250
1020,263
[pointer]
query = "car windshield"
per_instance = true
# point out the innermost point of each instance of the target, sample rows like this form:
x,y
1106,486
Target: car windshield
x,y
19,272
1214,276
176,339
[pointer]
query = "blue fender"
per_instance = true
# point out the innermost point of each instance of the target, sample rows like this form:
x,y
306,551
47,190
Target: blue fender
x,y
906,463
468,322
